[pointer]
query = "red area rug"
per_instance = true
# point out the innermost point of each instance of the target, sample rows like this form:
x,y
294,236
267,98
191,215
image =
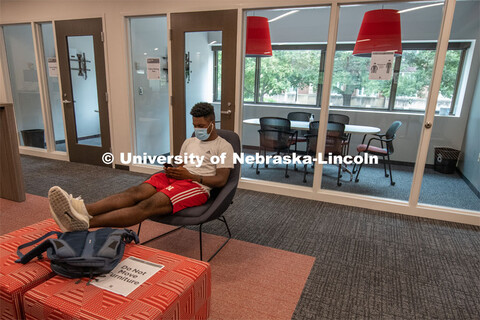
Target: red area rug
x,y
249,281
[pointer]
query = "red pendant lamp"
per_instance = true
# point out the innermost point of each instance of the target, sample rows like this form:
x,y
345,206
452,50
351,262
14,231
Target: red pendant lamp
x,y
258,38
380,31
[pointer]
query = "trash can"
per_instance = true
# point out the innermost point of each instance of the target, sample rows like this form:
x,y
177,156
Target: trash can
x,y
34,138
445,159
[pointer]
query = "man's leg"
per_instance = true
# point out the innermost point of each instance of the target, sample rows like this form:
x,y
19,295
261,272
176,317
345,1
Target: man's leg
x,y
157,204
125,199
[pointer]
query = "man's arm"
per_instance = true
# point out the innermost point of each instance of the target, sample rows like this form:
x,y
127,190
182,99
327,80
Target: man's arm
x,y
217,181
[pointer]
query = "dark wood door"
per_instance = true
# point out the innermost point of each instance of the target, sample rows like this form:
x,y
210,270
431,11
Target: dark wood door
x,y
84,90
183,24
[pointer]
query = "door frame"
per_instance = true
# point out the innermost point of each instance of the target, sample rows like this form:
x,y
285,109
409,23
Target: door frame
x,y
220,20
83,27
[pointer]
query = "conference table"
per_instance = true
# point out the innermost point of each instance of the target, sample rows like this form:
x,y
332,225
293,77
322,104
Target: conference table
x,y
304,125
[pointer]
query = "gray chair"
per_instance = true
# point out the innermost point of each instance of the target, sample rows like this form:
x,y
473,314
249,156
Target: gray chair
x,y
385,150
219,201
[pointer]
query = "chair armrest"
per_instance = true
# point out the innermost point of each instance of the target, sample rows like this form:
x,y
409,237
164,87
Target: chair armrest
x,y
378,139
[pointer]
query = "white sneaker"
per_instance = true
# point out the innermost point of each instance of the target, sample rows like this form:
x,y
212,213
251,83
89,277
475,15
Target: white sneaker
x,y
63,208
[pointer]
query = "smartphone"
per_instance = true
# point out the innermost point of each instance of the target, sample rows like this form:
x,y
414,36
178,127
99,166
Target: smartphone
x,y
168,165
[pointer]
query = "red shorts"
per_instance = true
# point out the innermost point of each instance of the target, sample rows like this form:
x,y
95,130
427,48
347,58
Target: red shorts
x,y
182,193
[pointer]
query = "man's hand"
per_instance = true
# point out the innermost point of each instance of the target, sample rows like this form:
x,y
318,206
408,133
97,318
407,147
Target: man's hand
x,y
179,173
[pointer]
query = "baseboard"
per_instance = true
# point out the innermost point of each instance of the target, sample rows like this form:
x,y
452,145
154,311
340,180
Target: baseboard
x,y
122,167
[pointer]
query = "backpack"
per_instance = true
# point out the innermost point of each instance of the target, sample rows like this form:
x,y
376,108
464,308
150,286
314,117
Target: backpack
x,y
81,253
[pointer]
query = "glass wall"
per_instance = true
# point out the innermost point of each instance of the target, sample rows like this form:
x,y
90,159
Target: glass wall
x,y
24,84
149,58
51,64
452,174
290,81
372,106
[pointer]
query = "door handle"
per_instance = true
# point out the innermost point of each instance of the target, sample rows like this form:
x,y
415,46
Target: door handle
x,y
67,101
227,112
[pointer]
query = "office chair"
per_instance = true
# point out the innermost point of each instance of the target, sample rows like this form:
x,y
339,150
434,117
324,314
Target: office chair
x,y
382,151
219,201
276,135
333,144
300,116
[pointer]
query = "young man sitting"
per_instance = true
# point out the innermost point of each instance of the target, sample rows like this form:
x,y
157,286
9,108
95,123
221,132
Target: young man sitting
x,y
164,193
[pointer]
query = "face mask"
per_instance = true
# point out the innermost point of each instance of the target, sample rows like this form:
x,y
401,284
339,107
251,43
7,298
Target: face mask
x,y
202,133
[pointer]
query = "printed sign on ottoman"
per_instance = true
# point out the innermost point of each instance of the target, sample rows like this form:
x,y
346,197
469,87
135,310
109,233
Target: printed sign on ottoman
x,y
16,279
179,290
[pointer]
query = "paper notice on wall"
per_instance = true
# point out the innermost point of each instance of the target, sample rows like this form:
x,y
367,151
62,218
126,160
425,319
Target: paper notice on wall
x,y
52,67
153,68
127,276
381,65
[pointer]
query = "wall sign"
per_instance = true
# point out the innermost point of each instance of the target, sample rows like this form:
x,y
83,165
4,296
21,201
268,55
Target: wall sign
x,y
153,68
381,65
52,67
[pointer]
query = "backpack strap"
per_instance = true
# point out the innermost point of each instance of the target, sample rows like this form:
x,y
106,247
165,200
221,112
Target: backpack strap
x,y
129,236
37,251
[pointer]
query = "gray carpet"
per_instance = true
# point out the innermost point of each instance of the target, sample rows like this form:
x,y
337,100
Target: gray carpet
x,y
440,189
369,264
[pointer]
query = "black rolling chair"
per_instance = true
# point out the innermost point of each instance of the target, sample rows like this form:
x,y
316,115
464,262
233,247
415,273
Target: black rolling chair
x,y
385,149
343,119
276,135
220,199
300,116
333,144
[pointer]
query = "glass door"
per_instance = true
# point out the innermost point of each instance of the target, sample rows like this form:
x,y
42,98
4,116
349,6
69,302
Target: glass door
x,y
198,39
84,93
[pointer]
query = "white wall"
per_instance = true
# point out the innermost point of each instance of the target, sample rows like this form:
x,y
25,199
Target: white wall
x,y
470,163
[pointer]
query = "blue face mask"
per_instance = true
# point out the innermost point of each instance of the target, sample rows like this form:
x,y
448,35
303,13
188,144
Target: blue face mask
x,y
202,133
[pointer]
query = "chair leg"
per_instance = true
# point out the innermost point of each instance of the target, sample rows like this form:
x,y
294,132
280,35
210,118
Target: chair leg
x,y
339,175
265,157
223,219
221,247
385,167
354,170
358,172
390,170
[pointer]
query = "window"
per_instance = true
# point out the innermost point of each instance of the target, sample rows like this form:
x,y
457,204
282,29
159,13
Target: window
x,y
150,94
293,75
22,69
350,84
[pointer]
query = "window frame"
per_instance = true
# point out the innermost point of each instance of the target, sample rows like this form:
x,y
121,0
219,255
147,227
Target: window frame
x,y
454,45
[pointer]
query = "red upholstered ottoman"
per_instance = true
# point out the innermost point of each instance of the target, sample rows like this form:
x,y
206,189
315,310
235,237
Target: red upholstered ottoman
x,y
181,290
15,278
